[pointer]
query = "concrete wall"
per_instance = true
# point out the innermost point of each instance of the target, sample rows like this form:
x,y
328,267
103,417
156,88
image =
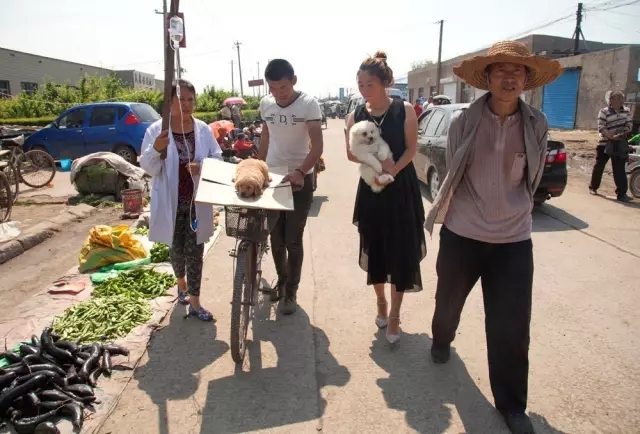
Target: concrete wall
x,y
17,67
606,67
600,72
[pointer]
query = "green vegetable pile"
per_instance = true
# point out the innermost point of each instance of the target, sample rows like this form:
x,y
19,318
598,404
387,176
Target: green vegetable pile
x,y
159,252
102,319
138,283
142,231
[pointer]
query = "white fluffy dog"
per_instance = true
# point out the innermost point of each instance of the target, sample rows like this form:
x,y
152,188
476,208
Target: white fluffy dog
x,y
370,149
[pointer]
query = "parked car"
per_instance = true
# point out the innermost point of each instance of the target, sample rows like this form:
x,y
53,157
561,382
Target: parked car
x,y
430,163
118,127
357,99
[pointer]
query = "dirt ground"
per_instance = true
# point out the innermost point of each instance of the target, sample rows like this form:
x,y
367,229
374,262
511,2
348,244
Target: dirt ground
x,y
37,268
579,143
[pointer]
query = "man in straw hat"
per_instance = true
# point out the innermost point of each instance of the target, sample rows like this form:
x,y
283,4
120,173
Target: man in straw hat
x,y
495,159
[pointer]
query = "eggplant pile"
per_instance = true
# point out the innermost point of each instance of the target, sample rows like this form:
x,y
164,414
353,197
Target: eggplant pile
x,y
50,378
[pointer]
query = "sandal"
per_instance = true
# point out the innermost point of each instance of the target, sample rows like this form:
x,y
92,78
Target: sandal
x,y
183,297
202,314
393,338
380,321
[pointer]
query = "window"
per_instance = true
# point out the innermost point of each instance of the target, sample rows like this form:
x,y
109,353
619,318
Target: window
x,y
102,116
434,123
411,96
122,111
145,112
5,89
423,120
73,119
28,87
420,92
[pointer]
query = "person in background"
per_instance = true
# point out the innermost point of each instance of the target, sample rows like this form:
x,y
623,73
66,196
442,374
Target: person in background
x,y
176,220
417,108
495,159
614,125
226,112
244,147
428,103
292,119
236,117
390,223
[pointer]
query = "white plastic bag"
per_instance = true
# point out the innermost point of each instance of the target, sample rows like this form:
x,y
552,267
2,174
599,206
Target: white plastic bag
x,y
9,231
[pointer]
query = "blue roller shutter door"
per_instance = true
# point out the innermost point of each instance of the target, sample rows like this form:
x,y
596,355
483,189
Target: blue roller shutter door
x,y
559,100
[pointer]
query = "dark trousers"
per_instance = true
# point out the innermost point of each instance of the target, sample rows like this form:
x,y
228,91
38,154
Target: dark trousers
x,y
618,168
506,274
185,253
286,237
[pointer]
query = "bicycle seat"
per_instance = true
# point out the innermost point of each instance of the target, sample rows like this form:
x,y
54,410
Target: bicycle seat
x,y
14,141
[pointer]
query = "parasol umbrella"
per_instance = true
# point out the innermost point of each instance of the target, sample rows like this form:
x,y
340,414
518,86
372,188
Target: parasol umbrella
x,y
221,128
234,100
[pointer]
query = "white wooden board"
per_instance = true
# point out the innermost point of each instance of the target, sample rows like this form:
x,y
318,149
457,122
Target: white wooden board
x,y
216,187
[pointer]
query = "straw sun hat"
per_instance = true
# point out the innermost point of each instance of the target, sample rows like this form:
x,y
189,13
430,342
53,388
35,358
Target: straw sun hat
x,y
542,70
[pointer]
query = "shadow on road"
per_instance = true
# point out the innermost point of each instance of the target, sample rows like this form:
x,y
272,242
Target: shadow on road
x,y
177,353
426,391
314,211
264,397
549,218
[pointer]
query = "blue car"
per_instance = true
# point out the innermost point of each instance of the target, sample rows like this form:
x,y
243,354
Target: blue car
x,y
117,127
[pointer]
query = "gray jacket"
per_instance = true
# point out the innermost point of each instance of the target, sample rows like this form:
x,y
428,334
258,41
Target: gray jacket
x,y
462,130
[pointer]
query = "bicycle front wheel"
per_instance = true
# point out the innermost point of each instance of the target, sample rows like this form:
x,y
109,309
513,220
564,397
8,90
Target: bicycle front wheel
x,y
14,180
243,298
36,168
6,200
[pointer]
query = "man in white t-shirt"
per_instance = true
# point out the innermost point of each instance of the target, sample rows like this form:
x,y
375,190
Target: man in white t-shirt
x,y
292,138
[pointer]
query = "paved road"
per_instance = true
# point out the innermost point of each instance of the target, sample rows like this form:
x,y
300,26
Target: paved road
x,y
327,369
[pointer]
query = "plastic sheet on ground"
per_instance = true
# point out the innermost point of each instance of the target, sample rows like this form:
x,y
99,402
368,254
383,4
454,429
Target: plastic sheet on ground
x,y
37,312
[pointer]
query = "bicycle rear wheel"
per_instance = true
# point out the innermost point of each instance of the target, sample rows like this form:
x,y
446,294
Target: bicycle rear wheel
x,y
244,288
6,200
14,180
36,168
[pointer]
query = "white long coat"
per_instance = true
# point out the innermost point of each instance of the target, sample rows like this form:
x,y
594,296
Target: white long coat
x,y
164,191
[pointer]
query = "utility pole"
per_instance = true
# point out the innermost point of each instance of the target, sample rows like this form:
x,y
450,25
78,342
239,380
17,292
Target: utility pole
x,y
258,64
233,88
169,66
237,45
165,31
439,70
577,33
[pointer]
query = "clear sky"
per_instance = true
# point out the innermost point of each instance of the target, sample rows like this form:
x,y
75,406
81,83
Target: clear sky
x,y
324,40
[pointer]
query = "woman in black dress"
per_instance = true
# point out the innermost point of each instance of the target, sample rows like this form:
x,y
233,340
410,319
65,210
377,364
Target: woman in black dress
x,y
390,223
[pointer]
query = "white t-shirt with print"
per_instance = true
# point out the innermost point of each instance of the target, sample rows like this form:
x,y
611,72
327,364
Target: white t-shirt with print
x,y
288,133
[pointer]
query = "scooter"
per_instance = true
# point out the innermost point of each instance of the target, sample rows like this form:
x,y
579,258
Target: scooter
x,y
633,171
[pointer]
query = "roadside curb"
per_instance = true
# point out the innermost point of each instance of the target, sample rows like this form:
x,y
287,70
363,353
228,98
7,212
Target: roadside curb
x,y
43,231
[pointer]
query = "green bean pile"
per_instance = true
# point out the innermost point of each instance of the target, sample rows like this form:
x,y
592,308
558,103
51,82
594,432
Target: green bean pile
x,y
142,231
159,252
102,319
136,283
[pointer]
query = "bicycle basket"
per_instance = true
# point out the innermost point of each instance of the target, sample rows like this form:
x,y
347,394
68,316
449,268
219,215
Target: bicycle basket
x,y
246,223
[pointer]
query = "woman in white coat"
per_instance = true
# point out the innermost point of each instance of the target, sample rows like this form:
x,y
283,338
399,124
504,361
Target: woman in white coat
x,y
173,158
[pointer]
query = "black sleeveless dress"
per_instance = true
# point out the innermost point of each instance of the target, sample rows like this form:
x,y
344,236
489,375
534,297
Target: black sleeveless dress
x,y
391,223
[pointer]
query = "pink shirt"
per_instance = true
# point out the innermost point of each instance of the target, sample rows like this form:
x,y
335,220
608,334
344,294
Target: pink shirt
x,y
492,202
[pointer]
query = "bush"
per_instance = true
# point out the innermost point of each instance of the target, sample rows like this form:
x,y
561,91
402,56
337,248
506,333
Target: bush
x,y
50,100
29,122
208,117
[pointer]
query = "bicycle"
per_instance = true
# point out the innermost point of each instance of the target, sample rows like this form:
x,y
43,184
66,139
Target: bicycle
x,y
250,228
12,177
6,201
28,163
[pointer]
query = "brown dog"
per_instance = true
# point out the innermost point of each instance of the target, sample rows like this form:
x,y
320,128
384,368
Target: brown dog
x,y
252,177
